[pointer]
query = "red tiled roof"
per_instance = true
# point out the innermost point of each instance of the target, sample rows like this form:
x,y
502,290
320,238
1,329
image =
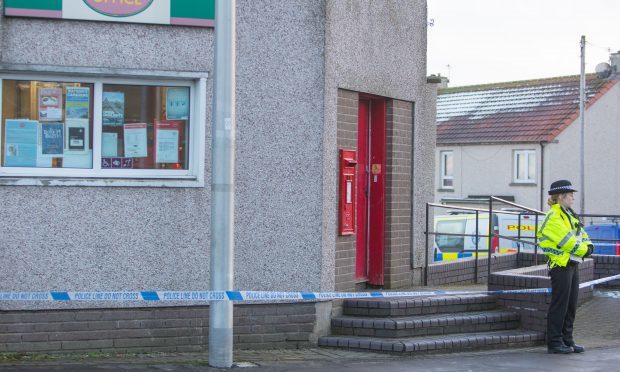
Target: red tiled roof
x,y
521,111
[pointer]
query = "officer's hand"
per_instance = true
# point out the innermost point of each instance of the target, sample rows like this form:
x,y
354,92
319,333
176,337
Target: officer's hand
x,y
589,252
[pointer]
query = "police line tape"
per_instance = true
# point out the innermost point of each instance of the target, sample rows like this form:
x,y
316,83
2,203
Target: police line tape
x,y
264,296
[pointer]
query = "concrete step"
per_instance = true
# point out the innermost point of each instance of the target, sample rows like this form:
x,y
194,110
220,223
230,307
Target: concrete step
x,y
438,343
421,325
374,307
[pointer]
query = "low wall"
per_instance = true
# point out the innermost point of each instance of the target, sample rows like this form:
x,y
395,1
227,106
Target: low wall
x,y
266,326
532,307
530,259
605,266
171,329
463,271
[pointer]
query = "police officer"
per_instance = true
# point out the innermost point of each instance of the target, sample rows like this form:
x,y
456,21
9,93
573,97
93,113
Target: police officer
x,y
565,243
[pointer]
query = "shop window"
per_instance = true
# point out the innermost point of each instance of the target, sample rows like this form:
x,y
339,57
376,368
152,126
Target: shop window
x,y
98,128
524,166
46,124
145,127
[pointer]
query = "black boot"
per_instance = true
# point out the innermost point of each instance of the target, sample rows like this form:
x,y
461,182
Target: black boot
x,y
576,348
559,349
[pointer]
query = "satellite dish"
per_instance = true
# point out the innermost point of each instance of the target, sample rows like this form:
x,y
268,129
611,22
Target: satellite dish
x,y
603,70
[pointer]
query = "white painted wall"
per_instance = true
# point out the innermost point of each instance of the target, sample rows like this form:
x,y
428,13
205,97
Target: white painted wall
x,y
602,156
487,169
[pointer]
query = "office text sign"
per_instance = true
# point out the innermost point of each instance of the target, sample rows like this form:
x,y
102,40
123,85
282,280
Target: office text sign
x,y
169,12
119,8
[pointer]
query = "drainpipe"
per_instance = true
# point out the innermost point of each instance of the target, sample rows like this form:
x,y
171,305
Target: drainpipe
x,y
542,175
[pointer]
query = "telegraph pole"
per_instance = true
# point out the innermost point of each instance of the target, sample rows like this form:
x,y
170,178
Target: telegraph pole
x,y
222,185
582,121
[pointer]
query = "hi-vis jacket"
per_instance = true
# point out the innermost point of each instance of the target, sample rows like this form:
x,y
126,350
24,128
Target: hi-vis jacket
x,y
560,235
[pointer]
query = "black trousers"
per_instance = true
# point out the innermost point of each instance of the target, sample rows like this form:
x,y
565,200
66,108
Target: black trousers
x,y
561,314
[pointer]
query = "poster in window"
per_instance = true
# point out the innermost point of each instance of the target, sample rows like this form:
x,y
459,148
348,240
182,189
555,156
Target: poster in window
x,y
113,108
50,104
177,103
20,143
166,142
109,144
77,135
52,138
135,140
77,103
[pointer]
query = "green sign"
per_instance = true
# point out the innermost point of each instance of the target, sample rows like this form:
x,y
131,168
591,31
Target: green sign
x,y
173,12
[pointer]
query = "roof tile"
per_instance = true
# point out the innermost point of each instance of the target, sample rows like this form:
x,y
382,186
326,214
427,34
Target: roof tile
x,y
521,111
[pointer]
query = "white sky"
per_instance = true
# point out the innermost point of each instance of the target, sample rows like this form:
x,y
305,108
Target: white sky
x,y
490,41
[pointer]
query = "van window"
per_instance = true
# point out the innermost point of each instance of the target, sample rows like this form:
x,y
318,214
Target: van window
x,y
450,243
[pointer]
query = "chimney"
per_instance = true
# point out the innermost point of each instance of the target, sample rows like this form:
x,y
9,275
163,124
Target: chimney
x,y
614,58
441,81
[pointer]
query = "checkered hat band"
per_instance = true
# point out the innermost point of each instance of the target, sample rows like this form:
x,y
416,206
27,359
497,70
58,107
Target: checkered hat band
x,y
562,188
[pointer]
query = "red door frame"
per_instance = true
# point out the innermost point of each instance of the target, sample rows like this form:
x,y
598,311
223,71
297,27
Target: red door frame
x,y
361,238
370,239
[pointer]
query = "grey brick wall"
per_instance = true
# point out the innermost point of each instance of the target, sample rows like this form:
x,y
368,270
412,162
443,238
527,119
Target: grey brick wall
x,y
607,266
463,270
530,259
399,129
347,139
532,307
173,329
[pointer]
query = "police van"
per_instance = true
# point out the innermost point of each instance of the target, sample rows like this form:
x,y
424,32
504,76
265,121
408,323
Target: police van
x,y
463,243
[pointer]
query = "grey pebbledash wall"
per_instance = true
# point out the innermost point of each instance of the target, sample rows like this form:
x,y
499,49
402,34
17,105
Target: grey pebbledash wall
x,y
111,238
376,48
293,57
288,76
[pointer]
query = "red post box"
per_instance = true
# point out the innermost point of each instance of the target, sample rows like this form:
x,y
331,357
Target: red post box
x,y
348,162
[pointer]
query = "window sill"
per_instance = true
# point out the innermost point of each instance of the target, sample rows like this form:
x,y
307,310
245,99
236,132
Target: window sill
x,y
190,181
445,190
526,184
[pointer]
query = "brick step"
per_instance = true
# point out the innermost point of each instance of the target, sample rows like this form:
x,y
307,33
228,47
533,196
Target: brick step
x,y
420,325
438,343
373,307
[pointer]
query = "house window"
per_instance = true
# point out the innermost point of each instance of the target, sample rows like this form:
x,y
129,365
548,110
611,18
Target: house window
x,y
447,169
524,166
94,128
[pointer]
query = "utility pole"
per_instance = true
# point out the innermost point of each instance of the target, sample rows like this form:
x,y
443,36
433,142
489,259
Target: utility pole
x,y
582,121
223,185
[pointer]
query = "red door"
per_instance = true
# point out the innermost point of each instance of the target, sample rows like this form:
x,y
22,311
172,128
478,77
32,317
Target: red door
x,y
370,229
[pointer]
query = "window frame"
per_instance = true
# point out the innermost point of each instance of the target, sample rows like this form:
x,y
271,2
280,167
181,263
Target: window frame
x,y
193,176
442,176
515,166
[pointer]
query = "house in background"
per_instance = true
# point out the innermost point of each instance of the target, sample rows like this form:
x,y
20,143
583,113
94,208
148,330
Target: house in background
x,y
513,139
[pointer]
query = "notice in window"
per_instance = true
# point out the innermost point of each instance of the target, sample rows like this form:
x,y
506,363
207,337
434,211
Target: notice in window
x,y
77,103
135,140
20,143
50,104
109,144
52,138
77,135
166,142
177,103
113,108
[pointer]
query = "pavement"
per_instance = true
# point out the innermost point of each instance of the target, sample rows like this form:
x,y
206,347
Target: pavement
x,y
597,328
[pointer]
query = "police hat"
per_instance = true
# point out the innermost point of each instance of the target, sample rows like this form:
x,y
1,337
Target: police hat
x,y
560,187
